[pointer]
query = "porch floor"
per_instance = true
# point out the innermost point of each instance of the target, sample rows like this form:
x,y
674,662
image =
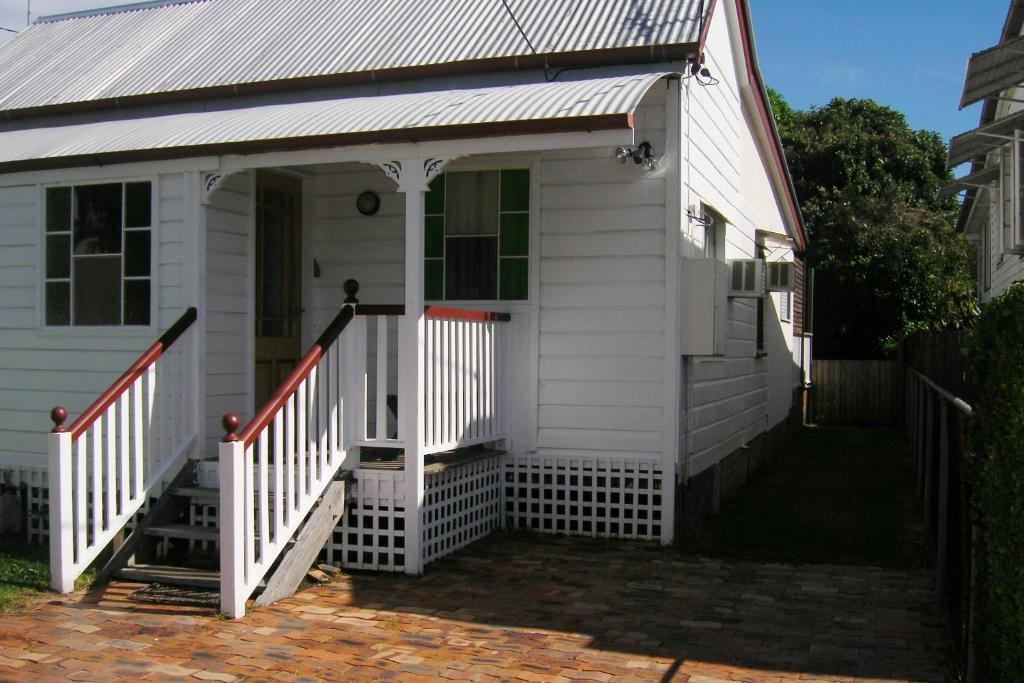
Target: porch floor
x,y
514,606
394,458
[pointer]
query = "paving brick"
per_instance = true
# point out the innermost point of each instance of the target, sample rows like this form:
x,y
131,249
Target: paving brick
x,y
515,607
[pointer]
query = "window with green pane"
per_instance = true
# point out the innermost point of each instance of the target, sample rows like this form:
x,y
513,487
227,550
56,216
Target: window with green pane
x,y
98,254
477,241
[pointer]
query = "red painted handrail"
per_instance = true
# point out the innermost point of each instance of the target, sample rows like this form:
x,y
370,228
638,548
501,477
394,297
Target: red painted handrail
x,y
466,314
266,414
435,312
125,381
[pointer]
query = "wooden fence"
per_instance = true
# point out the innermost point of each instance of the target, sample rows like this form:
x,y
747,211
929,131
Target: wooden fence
x,y
857,392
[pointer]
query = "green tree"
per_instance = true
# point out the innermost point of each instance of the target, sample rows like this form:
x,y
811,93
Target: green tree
x,y
887,258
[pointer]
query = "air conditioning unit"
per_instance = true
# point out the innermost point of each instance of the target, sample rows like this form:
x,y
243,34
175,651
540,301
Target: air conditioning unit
x,y
746,278
781,277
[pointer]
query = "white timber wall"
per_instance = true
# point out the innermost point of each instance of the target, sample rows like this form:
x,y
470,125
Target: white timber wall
x,y
602,298
42,367
229,304
730,399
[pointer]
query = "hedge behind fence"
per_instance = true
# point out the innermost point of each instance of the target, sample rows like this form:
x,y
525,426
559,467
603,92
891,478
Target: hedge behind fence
x,y
997,470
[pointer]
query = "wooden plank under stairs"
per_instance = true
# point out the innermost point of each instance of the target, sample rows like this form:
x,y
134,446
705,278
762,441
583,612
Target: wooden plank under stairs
x,y
170,575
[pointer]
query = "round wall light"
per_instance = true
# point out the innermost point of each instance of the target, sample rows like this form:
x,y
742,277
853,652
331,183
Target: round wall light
x,y
368,203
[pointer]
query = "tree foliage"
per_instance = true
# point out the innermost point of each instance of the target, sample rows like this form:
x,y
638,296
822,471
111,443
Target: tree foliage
x,y
888,260
997,478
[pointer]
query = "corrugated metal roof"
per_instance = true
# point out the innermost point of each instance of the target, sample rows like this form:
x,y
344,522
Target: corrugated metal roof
x,y
580,105
211,43
974,143
993,70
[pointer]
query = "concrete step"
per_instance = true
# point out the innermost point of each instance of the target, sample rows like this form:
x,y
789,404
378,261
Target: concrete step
x,y
192,533
174,576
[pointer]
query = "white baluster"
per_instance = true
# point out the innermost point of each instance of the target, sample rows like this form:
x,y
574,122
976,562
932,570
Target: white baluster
x,y
264,499
279,493
301,442
124,484
382,379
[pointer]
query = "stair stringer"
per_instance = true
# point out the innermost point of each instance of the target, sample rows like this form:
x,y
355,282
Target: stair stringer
x,y
284,580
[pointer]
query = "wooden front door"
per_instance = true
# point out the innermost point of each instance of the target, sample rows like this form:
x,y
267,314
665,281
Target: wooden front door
x,y
278,281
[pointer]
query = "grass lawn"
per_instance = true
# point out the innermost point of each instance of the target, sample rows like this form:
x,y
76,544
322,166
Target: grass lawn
x,y
838,495
24,573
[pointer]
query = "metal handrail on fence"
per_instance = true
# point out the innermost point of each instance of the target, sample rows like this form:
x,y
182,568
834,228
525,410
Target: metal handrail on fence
x,y
938,424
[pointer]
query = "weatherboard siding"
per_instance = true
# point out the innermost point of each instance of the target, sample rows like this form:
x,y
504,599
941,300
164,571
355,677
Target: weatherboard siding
x,y
229,302
729,399
602,300
43,367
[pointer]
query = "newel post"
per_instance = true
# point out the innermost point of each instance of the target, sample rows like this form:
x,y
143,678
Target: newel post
x,y
62,551
231,457
413,177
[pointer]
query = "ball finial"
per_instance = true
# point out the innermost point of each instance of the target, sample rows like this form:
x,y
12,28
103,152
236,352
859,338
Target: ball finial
x,y
58,415
351,288
231,424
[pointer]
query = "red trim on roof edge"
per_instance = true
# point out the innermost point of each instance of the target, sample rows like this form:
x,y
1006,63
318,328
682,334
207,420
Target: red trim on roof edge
x,y
768,121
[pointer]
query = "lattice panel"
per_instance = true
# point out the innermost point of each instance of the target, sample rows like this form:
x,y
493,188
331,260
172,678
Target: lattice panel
x,y
36,520
587,497
462,505
371,535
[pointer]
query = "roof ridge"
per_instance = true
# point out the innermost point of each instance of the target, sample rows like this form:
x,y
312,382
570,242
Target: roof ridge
x,y
112,9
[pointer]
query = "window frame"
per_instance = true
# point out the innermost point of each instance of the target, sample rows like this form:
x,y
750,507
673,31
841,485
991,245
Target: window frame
x,y
121,329
507,163
786,306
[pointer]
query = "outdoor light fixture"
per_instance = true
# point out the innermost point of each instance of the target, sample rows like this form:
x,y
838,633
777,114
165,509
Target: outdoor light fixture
x,y
642,154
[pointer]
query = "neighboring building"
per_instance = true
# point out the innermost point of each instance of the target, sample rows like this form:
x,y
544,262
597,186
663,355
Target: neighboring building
x,y
600,325
993,207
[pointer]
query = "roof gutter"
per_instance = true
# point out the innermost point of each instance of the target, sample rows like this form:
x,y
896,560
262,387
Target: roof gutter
x,y
647,54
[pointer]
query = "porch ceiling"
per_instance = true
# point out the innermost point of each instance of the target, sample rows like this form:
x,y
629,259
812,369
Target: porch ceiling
x,y
564,106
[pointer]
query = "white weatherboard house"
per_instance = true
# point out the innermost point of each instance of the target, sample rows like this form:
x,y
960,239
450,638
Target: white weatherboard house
x,y
992,214
436,268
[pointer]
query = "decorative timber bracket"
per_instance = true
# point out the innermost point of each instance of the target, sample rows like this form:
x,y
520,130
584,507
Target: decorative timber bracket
x,y
213,182
413,175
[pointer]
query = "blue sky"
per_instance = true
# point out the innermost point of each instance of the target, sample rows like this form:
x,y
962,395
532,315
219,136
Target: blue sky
x,y
908,54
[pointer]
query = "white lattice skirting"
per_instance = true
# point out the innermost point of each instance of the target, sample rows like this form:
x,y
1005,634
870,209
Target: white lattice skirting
x,y
37,491
586,497
462,505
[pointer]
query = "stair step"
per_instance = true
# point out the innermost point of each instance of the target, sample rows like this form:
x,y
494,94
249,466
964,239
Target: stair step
x,y
174,576
192,533
201,495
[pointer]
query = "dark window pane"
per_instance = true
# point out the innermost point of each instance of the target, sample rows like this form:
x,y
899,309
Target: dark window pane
x,y
434,245
515,234
97,283
515,279
472,207
58,303
136,253
136,302
515,190
471,266
58,209
58,256
98,219
138,205
433,280
435,196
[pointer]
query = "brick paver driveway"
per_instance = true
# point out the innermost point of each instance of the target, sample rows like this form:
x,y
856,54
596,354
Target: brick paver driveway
x,y
514,607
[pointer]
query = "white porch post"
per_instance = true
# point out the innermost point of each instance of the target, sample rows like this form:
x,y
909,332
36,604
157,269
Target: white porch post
x,y
413,177
62,576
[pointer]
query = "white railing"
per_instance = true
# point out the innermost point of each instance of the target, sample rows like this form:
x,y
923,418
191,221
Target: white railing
x,y
375,349
104,467
463,373
273,472
463,369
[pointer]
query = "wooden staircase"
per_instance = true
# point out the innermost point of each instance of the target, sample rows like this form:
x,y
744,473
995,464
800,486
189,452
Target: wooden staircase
x,y
159,550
